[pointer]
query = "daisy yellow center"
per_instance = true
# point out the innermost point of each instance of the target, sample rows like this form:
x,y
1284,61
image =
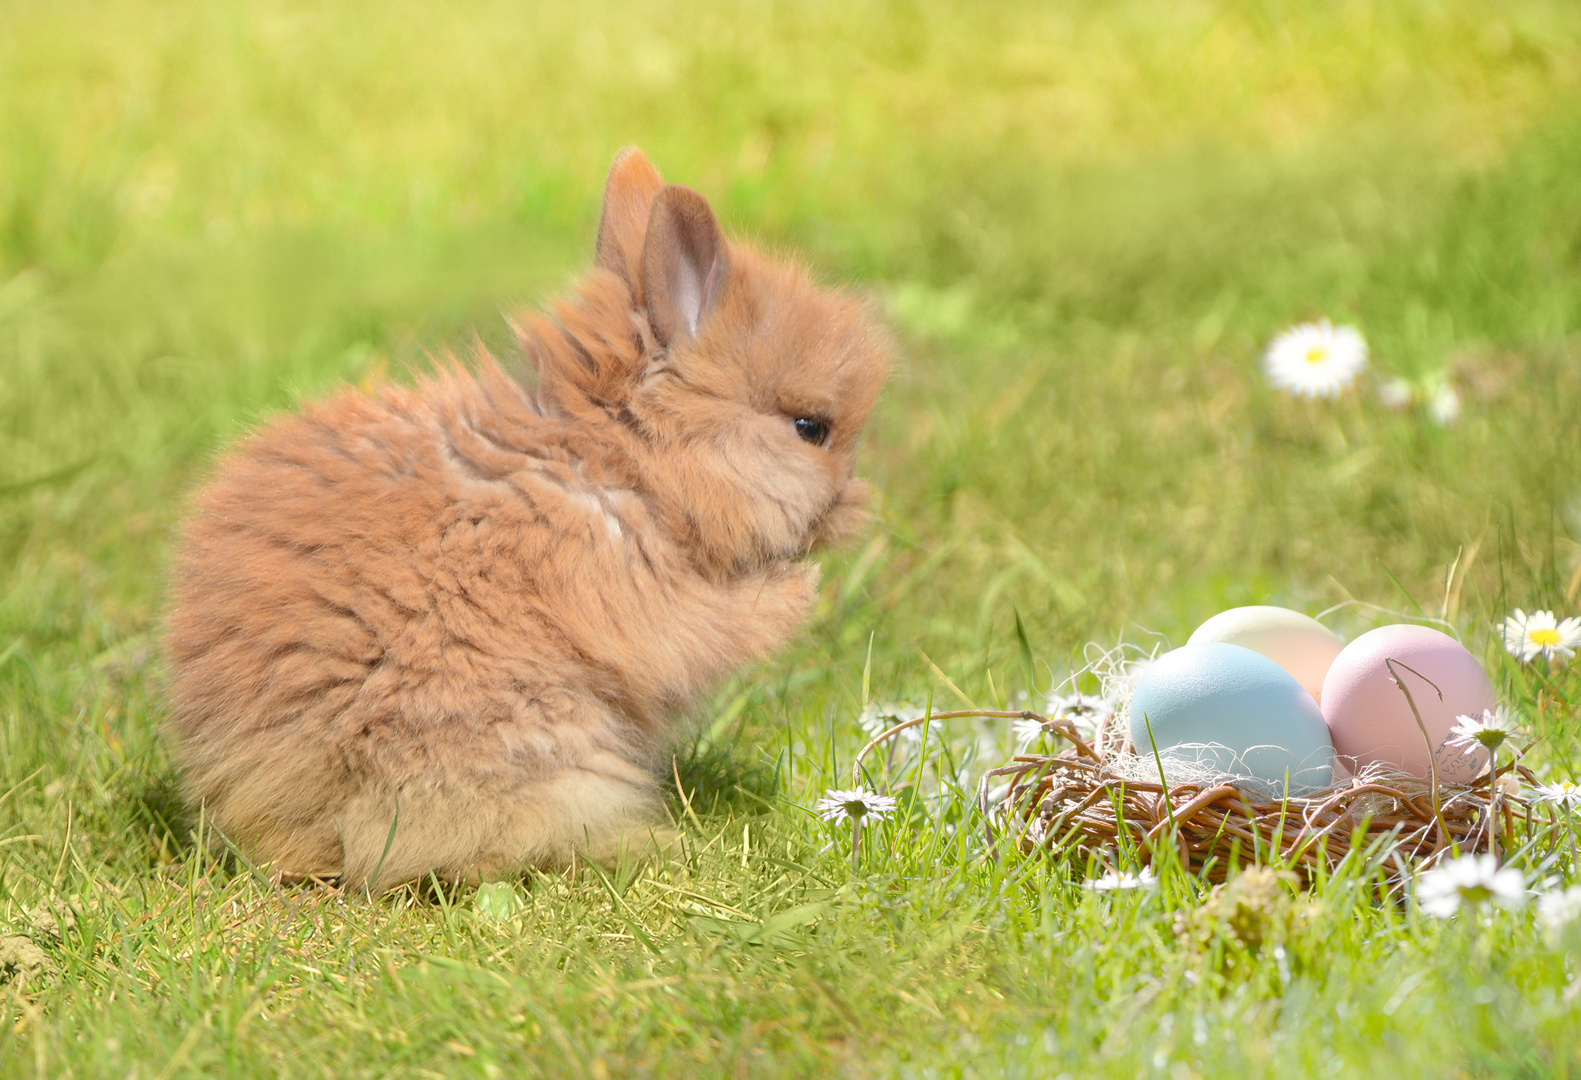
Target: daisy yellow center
x,y
1316,354
1545,636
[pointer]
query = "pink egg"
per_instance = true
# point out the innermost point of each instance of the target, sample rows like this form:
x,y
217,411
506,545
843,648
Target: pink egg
x,y
1370,719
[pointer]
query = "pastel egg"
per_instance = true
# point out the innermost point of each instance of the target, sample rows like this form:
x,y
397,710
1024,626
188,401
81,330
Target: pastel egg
x,y
1298,643
1235,710
1371,720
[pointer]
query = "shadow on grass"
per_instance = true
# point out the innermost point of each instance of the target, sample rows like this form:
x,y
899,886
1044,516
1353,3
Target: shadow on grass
x,y
719,779
171,828
160,812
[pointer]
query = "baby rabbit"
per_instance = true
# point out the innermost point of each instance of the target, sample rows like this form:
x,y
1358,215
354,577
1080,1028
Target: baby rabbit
x,y
451,629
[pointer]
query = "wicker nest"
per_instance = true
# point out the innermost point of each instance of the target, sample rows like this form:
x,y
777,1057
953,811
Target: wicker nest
x,y
1085,803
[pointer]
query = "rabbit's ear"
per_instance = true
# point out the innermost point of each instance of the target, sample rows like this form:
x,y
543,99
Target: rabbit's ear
x,y
684,263
628,195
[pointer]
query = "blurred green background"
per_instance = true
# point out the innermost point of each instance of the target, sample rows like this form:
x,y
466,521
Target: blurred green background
x,y
1086,220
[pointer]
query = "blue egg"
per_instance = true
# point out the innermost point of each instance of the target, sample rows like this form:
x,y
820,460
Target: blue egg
x,y
1234,709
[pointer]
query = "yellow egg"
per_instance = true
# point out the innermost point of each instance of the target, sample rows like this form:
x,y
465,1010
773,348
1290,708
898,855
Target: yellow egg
x,y
1301,645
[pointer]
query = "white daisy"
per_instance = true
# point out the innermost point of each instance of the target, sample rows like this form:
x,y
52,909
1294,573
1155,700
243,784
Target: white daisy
x,y
1116,880
1316,359
1559,908
1540,634
1086,711
1027,732
1562,794
1082,710
878,718
1490,729
1444,405
1471,880
1079,706
1396,393
855,803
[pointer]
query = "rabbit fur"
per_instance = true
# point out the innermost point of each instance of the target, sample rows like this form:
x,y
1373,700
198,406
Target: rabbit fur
x,y
451,629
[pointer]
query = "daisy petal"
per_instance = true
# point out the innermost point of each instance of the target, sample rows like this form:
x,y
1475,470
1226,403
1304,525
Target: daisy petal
x,y
1316,359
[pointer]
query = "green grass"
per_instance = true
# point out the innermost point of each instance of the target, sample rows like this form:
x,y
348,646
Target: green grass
x,y
1086,219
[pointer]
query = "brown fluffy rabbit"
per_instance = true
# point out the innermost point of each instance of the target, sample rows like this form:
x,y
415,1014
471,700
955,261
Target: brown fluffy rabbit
x,y
474,611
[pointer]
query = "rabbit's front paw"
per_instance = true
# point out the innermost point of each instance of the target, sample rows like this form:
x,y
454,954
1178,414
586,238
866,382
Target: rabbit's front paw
x,y
846,517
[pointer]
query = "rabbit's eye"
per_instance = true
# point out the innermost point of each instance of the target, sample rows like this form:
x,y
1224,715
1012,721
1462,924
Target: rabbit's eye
x,y
811,430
